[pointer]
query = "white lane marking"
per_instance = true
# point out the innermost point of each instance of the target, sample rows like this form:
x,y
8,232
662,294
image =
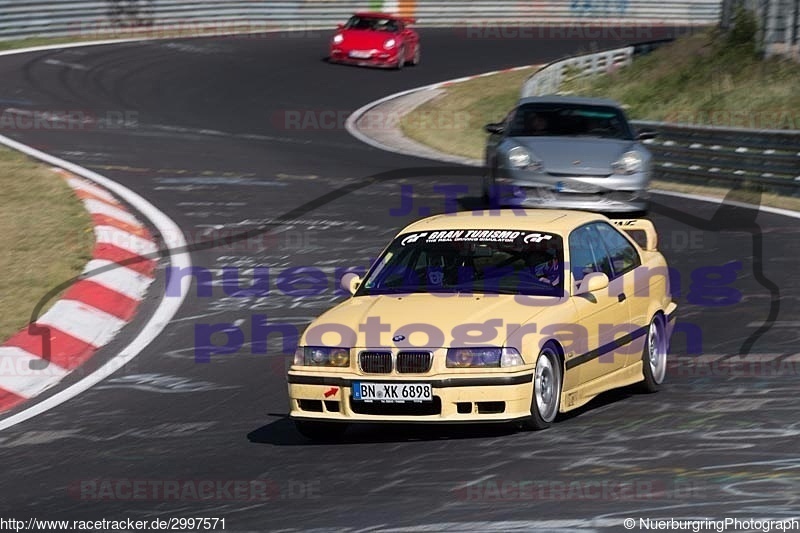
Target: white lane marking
x,y
125,240
16,375
98,207
119,279
59,63
82,321
774,210
76,183
163,314
350,123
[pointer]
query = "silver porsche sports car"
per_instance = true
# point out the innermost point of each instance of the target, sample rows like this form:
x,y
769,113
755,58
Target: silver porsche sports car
x,y
567,153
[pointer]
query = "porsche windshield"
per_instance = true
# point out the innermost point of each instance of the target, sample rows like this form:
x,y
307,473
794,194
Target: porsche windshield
x,y
559,120
371,23
488,261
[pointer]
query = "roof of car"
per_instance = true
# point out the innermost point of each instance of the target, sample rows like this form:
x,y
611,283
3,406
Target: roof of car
x,y
553,220
578,100
377,15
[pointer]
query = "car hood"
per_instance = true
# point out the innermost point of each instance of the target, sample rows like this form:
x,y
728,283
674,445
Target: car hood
x,y
576,156
444,316
365,39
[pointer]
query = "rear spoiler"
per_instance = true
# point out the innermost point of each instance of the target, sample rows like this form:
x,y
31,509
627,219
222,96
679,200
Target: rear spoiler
x,y
636,225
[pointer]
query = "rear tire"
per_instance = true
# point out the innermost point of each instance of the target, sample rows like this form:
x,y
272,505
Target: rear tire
x,y
546,396
654,356
320,431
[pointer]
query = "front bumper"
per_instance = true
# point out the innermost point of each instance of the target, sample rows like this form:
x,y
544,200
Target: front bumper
x,y
456,398
594,193
379,58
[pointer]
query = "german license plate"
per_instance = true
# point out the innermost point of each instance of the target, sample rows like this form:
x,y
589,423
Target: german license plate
x,y
360,54
576,186
392,392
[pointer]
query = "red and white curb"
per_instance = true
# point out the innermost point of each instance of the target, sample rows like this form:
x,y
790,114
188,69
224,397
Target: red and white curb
x,y
92,310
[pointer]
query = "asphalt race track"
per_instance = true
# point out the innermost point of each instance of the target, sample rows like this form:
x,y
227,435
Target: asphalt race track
x,y
206,129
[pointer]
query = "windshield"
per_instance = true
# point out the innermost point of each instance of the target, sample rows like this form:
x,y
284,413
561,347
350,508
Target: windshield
x,y
371,23
488,261
531,120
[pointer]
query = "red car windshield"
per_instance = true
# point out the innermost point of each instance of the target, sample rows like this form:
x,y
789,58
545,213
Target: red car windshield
x,y
372,24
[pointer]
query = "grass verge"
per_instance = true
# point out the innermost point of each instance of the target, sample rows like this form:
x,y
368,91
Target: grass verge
x,y
453,122
45,234
699,80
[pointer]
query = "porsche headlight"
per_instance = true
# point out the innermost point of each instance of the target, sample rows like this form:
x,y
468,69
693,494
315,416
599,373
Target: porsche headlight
x,y
630,163
389,44
338,38
483,357
519,157
321,356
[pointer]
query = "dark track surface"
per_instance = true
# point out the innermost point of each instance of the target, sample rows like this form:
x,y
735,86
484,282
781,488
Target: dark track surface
x,y
713,443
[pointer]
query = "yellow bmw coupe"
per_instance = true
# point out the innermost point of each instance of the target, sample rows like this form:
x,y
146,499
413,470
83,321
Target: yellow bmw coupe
x,y
488,316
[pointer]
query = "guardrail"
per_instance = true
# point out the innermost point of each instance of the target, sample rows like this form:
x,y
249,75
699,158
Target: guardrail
x,y
29,18
768,159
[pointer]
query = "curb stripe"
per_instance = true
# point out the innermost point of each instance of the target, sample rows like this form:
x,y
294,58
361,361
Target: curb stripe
x,y
82,321
9,400
17,377
103,298
125,240
89,195
120,279
105,220
115,254
99,207
65,350
84,187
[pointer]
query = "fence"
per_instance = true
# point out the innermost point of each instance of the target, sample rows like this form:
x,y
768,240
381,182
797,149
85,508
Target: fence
x,y
29,18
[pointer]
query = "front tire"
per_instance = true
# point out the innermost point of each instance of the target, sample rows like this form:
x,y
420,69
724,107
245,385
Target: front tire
x,y
417,54
401,59
654,356
320,431
546,397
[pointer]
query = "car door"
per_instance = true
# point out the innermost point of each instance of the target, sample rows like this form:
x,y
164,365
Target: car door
x,y
626,263
600,314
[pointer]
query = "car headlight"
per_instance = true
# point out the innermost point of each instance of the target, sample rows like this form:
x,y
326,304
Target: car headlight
x,y
630,163
321,356
519,157
338,38
389,44
483,357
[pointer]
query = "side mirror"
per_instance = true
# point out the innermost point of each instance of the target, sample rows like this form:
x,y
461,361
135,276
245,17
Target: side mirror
x,y
645,135
340,26
350,282
495,128
596,281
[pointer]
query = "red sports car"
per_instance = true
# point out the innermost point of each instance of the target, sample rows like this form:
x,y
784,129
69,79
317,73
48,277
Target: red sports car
x,y
376,39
